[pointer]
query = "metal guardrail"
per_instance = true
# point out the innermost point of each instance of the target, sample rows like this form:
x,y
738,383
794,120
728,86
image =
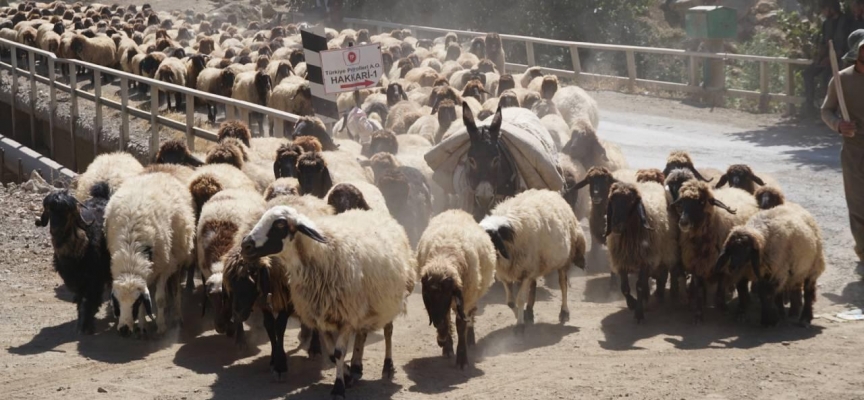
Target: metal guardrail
x,y
632,81
233,107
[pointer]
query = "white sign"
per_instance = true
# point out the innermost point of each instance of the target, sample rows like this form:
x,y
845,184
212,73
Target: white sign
x,y
347,70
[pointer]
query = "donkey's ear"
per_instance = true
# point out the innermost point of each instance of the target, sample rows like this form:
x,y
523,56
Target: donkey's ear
x,y
495,126
468,119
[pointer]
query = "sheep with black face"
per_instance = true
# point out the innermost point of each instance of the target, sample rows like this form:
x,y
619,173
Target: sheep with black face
x,y
80,254
741,176
328,260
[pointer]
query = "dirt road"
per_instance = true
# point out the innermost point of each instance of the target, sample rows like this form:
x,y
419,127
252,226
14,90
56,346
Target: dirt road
x,y
600,353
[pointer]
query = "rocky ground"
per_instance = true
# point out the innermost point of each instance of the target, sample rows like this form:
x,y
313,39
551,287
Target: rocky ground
x,y
600,353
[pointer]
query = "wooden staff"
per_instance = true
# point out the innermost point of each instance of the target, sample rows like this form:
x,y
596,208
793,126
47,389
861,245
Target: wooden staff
x,y
838,85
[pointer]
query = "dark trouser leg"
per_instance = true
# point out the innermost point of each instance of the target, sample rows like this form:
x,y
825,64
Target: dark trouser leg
x,y
809,74
852,160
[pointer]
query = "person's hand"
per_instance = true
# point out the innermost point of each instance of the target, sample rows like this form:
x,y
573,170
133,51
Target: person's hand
x,y
847,129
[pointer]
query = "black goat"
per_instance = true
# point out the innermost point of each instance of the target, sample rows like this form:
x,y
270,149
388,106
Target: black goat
x,y
80,252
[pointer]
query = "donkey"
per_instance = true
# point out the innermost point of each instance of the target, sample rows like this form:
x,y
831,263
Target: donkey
x,y
491,172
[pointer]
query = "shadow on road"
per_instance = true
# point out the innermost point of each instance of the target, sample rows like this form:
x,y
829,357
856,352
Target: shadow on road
x,y
437,375
505,341
718,331
814,144
853,293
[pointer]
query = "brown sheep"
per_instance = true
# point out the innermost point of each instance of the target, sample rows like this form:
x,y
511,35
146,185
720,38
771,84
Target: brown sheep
x,y
741,176
345,196
285,165
175,152
234,129
650,175
681,159
769,197
383,140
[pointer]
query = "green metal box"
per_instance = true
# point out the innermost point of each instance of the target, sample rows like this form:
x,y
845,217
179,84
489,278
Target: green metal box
x,y
712,22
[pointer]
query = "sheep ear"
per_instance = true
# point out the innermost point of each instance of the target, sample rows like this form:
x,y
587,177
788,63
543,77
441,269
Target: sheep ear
x,y
755,262
640,207
460,304
498,238
404,95
148,305
667,170
86,215
721,262
758,180
723,180
581,184
608,219
327,181
43,219
311,233
718,203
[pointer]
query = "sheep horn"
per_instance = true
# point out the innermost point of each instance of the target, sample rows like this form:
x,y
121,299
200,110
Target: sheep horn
x,y
642,217
718,203
311,233
699,176
148,305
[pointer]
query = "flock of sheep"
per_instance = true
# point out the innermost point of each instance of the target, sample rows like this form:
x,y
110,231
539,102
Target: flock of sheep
x,y
336,227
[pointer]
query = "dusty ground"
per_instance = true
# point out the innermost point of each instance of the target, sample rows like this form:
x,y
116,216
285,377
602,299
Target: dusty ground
x,y
600,353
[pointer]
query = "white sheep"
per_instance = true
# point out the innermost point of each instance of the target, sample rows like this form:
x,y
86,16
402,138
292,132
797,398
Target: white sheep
x,y
575,104
783,246
150,232
456,261
535,233
330,262
113,168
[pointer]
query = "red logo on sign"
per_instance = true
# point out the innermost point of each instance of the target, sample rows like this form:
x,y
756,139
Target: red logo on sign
x,y
351,57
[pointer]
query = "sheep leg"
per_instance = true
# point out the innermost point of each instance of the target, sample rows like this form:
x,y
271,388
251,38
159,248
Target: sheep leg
x,y
794,301
462,347
767,293
281,364
521,296
529,308
161,304
677,282
743,299
338,391
178,97
660,290
564,284
720,296
142,322
356,360
509,295
270,327
809,299
471,340
697,298
625,290
90,304
642,293
445,336
613,279
389,369
211,113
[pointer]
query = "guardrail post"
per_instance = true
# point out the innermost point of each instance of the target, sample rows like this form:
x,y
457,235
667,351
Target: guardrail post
x,y
97,120
190,121
790,89
124,112
694,71
31,64
529,51
14,89
763,86
52,105
631,70
244,116
278,127
154,121
574,57
73,111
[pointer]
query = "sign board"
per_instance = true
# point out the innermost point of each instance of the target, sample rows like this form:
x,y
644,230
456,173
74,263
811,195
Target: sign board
x,y
347,70
314,45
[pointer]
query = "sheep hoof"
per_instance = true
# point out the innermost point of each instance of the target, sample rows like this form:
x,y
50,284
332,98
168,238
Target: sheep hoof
x,y
278,376
447,350
348,379
529,317
564,316
631,302
338,390
356,372
389,370
640,316
462,359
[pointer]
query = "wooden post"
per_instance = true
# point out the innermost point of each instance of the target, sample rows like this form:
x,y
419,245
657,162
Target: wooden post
x,y
52,105
73,111
124,112
154,121
97,120
574,58
790,89
244,116
631,70
190,121
715,79
529,50
31,64
694,71
763,86
14,96
20,171
3,167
